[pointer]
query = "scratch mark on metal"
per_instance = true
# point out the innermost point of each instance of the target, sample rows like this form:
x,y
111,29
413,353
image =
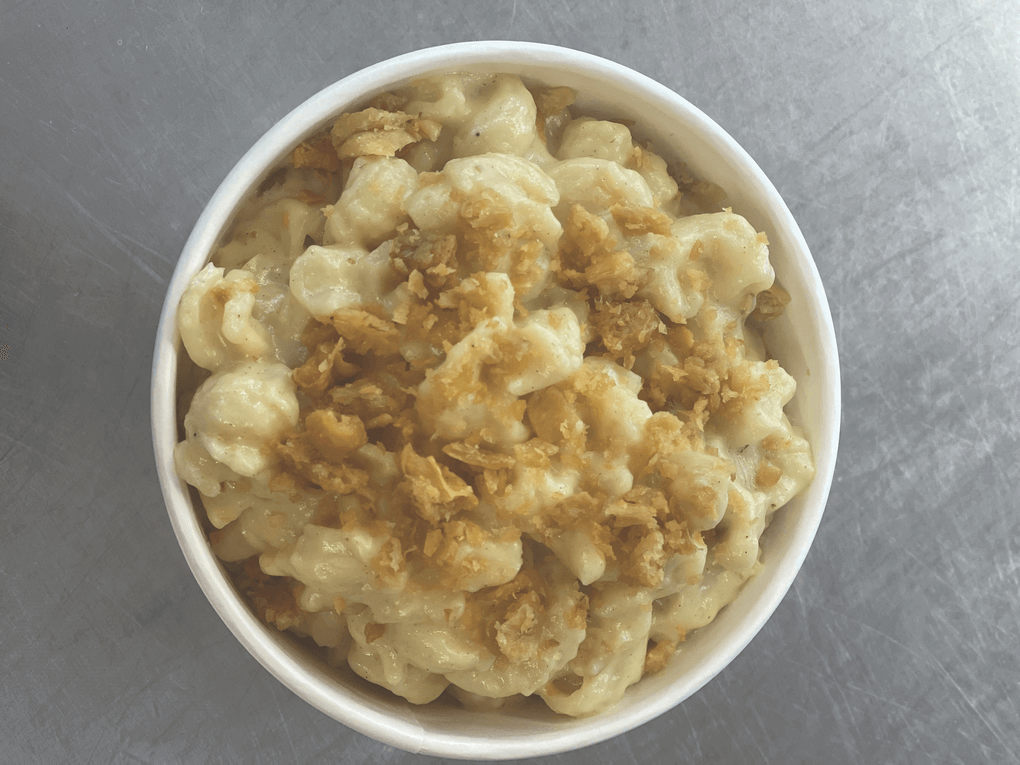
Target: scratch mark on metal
x,y
111,236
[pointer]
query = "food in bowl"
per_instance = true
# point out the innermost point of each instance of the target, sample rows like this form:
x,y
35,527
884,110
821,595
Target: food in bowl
x,y
487,406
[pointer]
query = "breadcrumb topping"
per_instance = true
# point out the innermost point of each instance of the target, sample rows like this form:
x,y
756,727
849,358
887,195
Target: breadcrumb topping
x,y
771,304
380,133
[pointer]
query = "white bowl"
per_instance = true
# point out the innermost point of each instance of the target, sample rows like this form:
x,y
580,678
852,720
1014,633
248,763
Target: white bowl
x,y
802,339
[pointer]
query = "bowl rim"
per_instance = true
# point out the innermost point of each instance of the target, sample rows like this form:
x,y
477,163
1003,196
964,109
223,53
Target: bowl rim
x,y
284,662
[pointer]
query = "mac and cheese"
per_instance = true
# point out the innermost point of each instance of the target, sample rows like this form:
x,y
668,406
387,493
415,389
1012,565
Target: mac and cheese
x,y
483,409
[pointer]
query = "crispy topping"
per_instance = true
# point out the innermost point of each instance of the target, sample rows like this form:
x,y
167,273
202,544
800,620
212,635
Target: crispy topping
x,y
310,198
300,457
436,491
374,631
508,619
549,102
317,153
389,563
325,366
626,328
490,241
658,656
636,221
590,257
335,437
366,333
274,597
770,304
477,457
431,255
767,475
375,132
535,453
554,100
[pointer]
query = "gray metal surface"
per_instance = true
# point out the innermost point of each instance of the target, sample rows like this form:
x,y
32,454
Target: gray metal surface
x,y
891,128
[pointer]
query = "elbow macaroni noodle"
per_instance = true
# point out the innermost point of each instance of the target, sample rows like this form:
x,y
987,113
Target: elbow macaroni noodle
x,y
484,409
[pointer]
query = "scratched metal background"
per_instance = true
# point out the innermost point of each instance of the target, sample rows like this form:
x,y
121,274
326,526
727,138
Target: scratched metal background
x,y
890,127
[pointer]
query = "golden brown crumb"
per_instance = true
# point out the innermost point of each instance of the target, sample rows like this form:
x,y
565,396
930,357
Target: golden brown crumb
x,y
614,273
770,304
366,333
506,618
519,622
317,153
374,631
775,443
343,479
335,437
554,100
310,198
274,597
489,240
696,196
745,386
325,366
711,376
767,475
222,293
442,546
375,132
389,563
377,399
658,656
437,492
636,221
641,506
584,234
473,455
625,328
642,554
300,457
578,615
535,453
549,102
554,415
416,283
589,257
428,253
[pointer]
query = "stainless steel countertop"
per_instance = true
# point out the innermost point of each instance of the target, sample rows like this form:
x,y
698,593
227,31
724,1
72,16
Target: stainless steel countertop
x,y
890,128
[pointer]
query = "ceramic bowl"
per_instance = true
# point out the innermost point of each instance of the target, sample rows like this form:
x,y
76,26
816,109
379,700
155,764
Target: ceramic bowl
x,y
802,340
